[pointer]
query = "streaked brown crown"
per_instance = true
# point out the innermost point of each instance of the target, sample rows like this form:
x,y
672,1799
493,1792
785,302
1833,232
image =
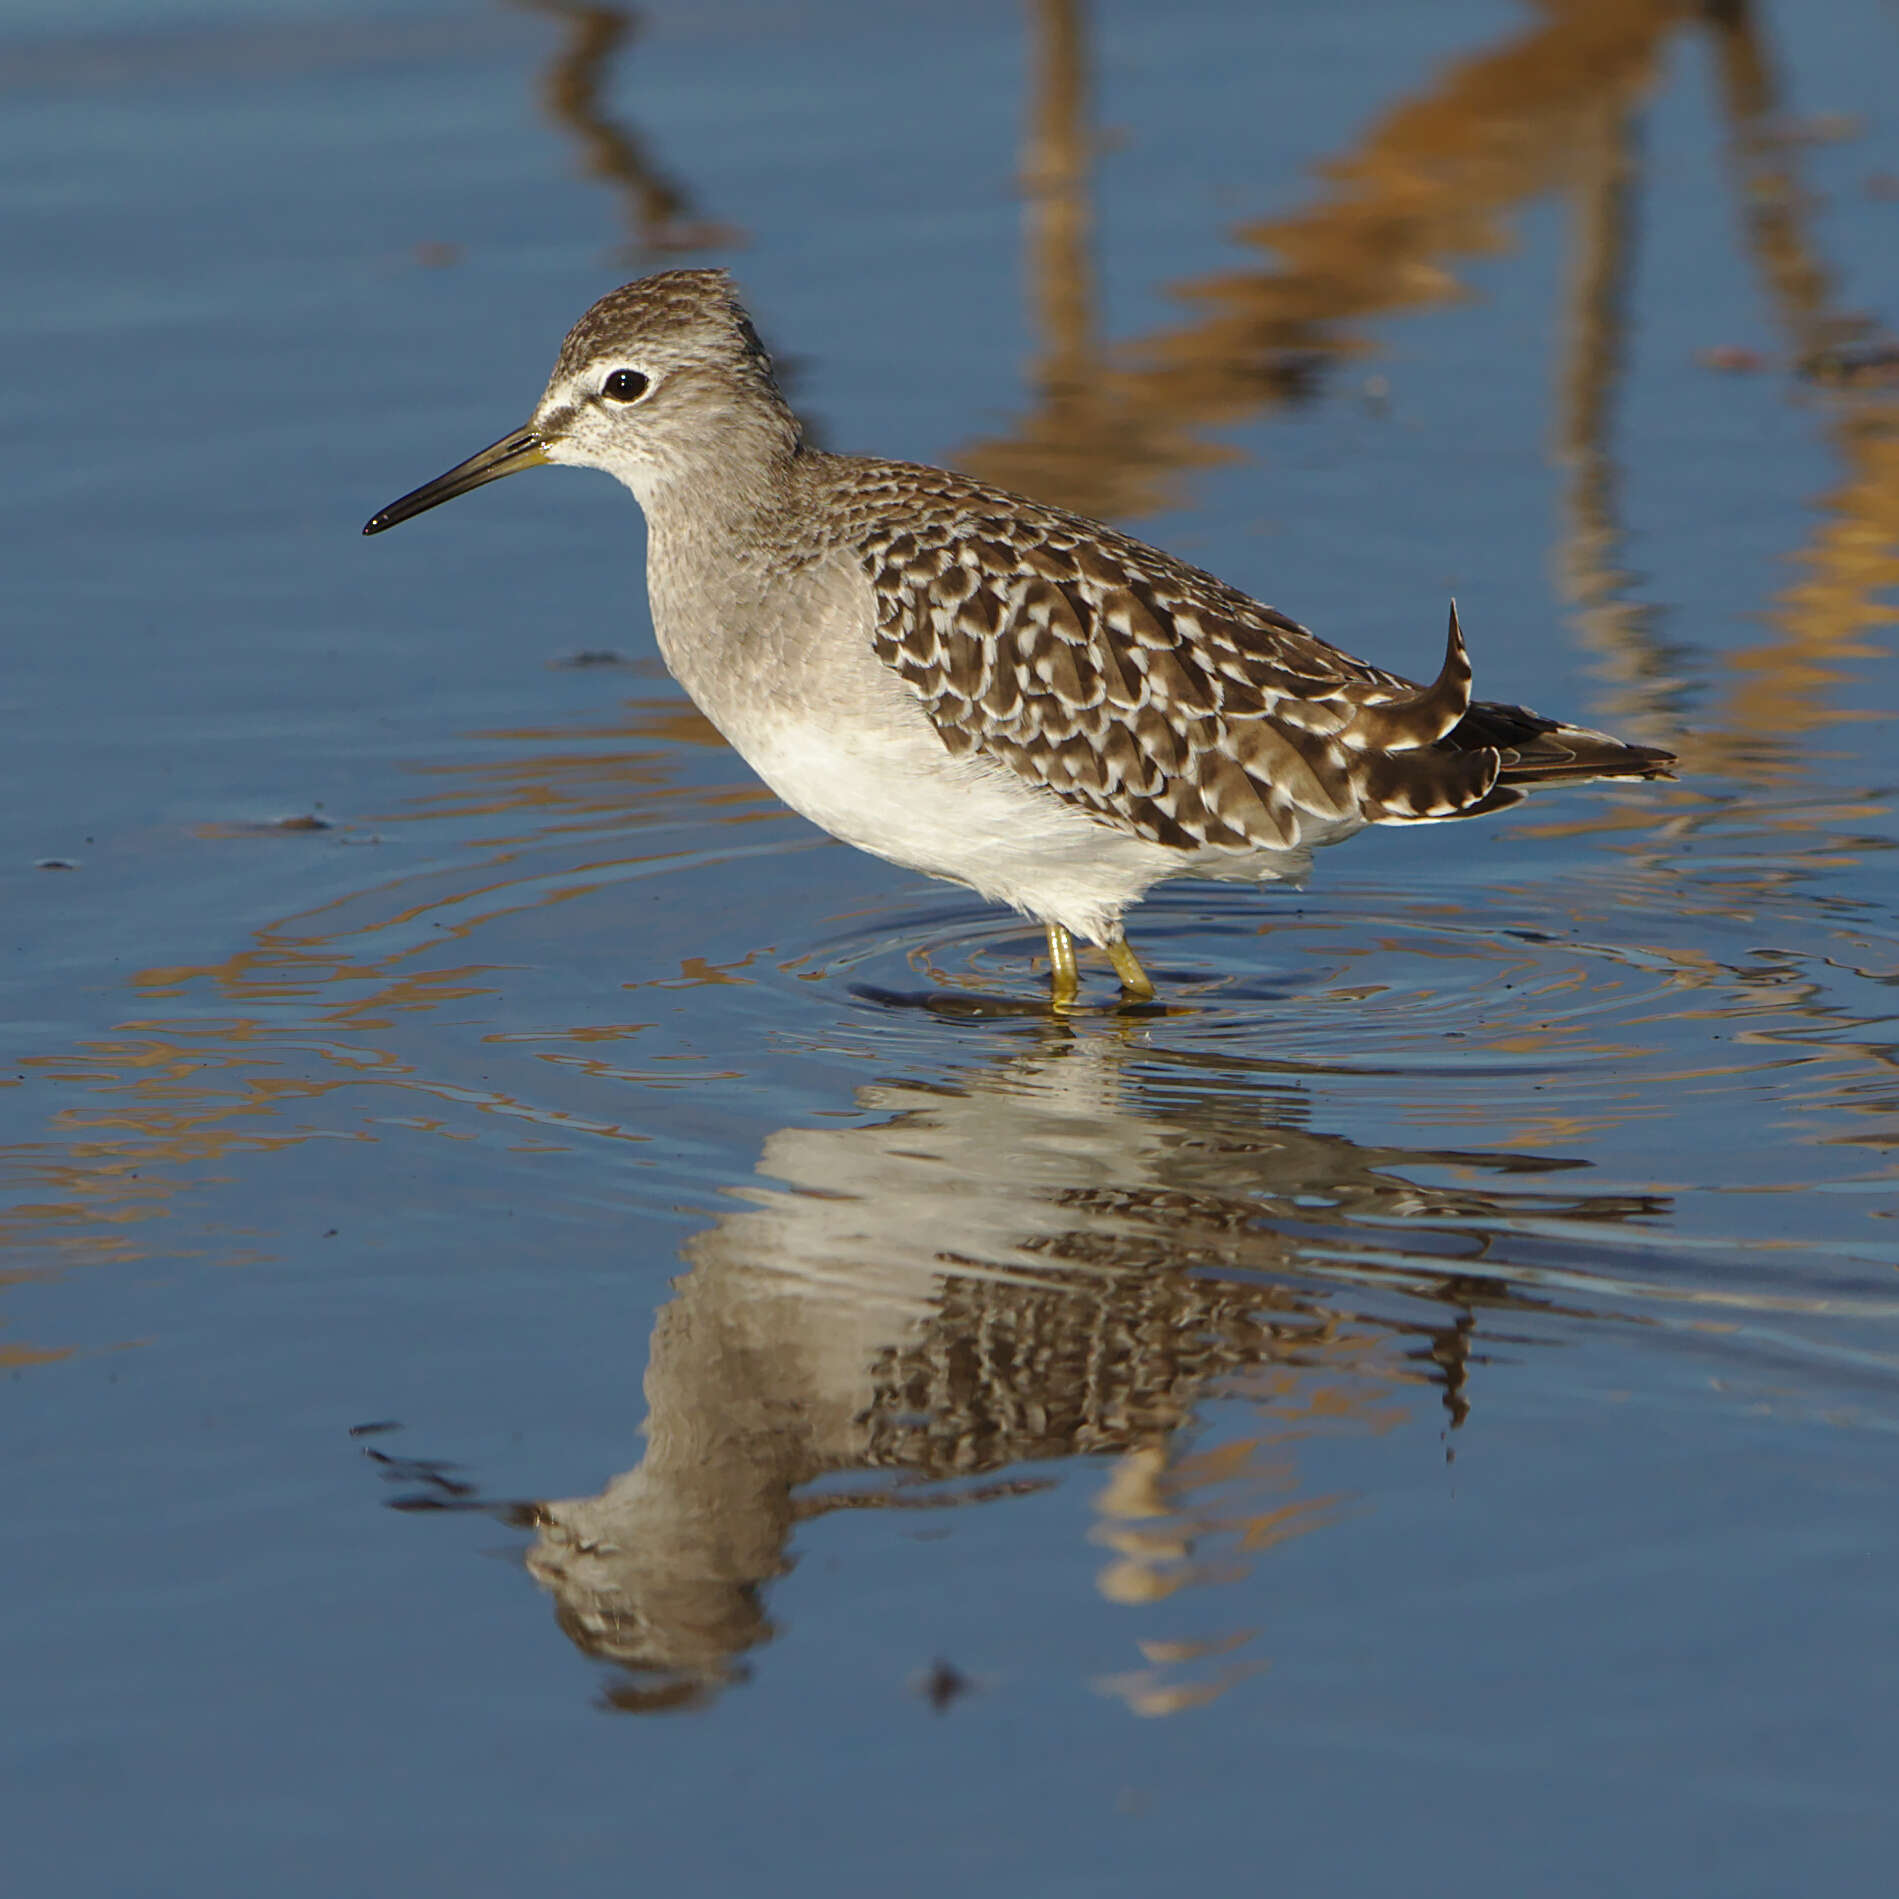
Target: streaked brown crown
x,y
691,314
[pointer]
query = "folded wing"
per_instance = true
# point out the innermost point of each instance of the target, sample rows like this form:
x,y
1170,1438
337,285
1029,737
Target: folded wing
x,y
1168,704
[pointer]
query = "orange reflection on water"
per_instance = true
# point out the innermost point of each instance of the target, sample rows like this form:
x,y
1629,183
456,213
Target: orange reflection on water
x,y
170,1097
1423,187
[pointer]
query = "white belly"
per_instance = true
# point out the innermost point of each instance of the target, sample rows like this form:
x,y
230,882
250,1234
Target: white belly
x,y
972,822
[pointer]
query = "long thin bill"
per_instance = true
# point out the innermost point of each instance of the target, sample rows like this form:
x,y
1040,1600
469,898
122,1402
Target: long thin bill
x,y
508,456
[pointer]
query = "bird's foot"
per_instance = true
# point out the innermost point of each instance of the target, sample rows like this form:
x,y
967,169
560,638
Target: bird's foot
x,y
1136,984
1064,978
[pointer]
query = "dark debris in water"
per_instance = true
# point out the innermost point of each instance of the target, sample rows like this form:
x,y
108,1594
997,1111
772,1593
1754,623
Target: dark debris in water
x,y
590,656
943,1685
298,824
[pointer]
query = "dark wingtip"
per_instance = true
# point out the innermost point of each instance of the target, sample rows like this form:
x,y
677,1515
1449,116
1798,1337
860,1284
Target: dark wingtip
x,y
1653,762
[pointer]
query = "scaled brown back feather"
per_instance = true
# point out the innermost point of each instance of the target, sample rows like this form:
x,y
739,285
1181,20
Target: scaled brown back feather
x,y
1163,701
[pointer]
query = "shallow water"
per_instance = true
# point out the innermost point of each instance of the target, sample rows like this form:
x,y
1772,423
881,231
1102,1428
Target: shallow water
x,y
557,1320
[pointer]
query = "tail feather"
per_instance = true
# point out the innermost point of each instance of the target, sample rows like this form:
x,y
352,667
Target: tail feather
x,y
1409,721
1441,754
1534,750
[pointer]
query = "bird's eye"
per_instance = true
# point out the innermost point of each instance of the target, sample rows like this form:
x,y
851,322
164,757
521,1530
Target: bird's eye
x,y
625,385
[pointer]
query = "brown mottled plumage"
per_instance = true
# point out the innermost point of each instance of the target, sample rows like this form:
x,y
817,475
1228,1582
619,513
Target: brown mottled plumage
x,y
982,687
1158,698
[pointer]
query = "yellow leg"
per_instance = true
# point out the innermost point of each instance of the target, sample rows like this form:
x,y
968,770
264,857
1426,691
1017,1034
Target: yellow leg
x,y
1135,983
1064,979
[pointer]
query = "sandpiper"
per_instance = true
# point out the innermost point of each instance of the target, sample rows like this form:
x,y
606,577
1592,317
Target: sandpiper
x,y
977,686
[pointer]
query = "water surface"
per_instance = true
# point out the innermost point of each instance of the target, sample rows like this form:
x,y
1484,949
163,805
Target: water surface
x,y
1415,1410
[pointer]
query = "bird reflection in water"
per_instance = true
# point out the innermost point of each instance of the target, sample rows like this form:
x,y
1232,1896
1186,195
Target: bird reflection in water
x,y
1062,1254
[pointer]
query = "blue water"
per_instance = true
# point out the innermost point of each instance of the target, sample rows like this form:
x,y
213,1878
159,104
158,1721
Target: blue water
x,y
557,1322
